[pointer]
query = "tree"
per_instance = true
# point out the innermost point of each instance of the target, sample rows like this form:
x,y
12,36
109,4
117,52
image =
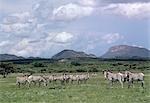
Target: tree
x,y
38,64
5,69
75,63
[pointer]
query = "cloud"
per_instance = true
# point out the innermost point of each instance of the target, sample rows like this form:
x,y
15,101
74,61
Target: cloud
x,y
15,28
22,17
130,10
63,37
59,37
137,46
36,46
111,38
20,24
25,48
88,2
71,11
17,23
123,1
43,29
4,43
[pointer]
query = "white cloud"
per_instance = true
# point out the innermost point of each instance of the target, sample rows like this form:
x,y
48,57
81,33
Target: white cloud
x,y
71,11
111,38
25,48
137,10
18,23
137,46
4,43
62,37
35,46
16,27
36,6
24,16
88,2
37,30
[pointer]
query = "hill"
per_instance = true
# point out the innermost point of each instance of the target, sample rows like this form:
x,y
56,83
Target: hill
x,y
9,57
72,54
126,52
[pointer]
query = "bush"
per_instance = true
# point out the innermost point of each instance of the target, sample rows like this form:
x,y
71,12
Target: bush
x,y
6,68
93,70
43,70
38,64
18,70
81,70
126,65
115,64
75,63
31,71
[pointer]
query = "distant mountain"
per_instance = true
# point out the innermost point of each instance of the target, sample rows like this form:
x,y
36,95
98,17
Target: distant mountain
x,y
71,54
9,57
126,52
34,58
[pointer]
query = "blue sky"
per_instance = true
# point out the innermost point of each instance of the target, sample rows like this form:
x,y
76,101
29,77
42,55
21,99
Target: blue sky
x,y
45,27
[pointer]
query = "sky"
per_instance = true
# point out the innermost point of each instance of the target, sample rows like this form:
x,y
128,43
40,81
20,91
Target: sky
x,y
45,27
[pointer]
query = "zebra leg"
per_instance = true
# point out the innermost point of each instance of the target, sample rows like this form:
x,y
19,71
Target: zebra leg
x,y
85,81
111,83
121,84
71,82
78,81
129,83
28,84
34,83
142,84
39,84
132,84
18,84
62,82
45,83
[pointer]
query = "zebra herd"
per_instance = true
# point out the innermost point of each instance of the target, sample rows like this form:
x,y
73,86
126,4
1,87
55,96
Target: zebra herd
x,y
123,77
46,79
127,76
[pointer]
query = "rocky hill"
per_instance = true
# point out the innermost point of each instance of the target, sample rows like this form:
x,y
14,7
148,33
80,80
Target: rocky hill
x,y
125,52
9,57
71,54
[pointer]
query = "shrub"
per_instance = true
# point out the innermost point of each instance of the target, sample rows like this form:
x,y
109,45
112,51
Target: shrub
x,y
93,70
126,65
6,68
81,70
75,63
43,70
38,64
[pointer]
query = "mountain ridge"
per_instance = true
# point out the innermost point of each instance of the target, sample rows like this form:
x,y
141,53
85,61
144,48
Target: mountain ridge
x,y
64,54
114,52
126,51
10,57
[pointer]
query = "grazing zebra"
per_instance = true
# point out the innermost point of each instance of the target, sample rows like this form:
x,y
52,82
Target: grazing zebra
x,y
74,78
134,77
36,79
83,77
49,78
112,77
21,80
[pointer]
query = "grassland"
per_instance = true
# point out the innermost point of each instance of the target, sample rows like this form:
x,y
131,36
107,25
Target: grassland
x,y
94,91
90,65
